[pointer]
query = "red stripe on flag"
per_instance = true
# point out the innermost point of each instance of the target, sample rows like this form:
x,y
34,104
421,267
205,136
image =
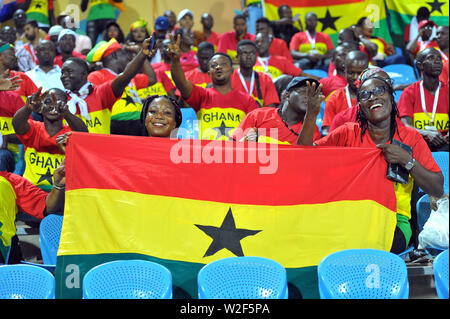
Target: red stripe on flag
x,y
310,3
308,175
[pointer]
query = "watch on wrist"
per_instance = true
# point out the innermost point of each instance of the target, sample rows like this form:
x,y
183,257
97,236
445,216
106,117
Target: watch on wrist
x,y
410,164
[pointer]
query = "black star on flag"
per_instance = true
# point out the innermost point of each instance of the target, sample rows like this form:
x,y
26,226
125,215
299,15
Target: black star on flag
x,y
38,6
48,176
128,100
328,21
227,236
222,130
436,6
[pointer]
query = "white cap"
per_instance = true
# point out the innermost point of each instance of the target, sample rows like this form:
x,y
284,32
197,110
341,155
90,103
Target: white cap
x,y
65,32
55,30
183,13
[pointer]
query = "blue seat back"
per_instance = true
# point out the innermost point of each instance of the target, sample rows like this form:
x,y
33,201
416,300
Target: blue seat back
x,y
440,269
441,159
423,210
401,73
189,125
128,279
363,274
317,72
242,278
49,235
26,282
397,95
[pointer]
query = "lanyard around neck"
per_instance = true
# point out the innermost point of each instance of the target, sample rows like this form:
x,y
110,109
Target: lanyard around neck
x,y
435,103
311,39
244,83
349,100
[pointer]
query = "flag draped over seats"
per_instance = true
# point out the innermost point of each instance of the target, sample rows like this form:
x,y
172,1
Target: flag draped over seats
x,y
335,15
185,203
401,12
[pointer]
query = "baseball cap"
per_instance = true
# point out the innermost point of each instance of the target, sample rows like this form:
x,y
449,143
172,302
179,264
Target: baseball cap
x,y
162,23
425,22
301,81
183,13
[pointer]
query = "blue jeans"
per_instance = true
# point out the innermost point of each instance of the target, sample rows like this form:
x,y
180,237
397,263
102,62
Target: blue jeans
x,y
7,162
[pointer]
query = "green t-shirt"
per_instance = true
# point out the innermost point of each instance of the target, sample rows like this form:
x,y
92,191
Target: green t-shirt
x,y
101,9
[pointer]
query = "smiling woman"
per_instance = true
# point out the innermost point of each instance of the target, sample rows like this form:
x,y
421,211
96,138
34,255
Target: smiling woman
x,y
160,116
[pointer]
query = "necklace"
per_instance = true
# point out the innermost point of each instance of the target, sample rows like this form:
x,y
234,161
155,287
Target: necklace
x,y
286,123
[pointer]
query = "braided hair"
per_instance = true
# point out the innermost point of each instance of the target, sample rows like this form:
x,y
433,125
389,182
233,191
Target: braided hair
x,y
176,106
361,117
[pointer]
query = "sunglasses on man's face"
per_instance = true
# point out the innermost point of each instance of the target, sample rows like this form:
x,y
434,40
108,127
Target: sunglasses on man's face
x,y
365,95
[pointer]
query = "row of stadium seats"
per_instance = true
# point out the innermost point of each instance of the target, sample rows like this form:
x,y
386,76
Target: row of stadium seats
x,y
346,274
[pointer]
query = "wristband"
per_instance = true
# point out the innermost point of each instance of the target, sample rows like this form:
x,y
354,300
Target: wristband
x,y
60,188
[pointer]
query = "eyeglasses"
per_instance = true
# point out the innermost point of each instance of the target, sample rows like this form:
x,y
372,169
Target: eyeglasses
x,y
365,95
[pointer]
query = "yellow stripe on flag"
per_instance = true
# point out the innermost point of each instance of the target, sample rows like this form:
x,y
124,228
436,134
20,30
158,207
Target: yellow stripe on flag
x,y
113,221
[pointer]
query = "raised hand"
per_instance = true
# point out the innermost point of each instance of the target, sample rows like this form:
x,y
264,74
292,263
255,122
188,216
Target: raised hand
x,y
174,50
34,101
315,98
61,141
59,175
9,84
146,49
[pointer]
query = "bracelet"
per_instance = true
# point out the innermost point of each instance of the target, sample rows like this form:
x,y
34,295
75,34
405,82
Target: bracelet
x,y
60,188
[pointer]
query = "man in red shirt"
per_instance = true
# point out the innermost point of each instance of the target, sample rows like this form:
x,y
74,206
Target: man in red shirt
x,y
311,49
219,109
442,41
66,45
94,103
345,98
423,39
424,105
200,76
334,82
8,62
229,40
257,84
278,47
207,22
285,122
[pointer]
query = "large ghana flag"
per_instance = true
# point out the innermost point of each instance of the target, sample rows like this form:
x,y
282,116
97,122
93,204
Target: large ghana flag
x,y
185,203
335,15
402,11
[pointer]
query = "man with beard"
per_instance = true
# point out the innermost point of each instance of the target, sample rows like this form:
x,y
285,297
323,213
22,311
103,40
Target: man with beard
x,y
66,45
219,109
257,84
26,55
424,104
46,74
229,40
42,155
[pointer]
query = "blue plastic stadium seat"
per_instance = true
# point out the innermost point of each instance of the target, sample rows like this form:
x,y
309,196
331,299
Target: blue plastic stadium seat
x,y
189,125
20,165
128,279
440,268
26,282
423,210
49,235
441,159
242,278
319,119
363,274
317,72
401,73
397,95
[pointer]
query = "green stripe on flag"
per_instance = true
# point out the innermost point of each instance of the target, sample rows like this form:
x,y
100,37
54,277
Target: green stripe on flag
x,y
303,282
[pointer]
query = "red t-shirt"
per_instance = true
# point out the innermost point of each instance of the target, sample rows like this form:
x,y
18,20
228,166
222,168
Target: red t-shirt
x,y
11,102
279,47
268,90
27,86
99,103
58,59
29,198
219,114
336,103
332,83
189,60
410,105
301,43
213,38
197,77
277,66
444,77
267,118
421,45
228,43
38,138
